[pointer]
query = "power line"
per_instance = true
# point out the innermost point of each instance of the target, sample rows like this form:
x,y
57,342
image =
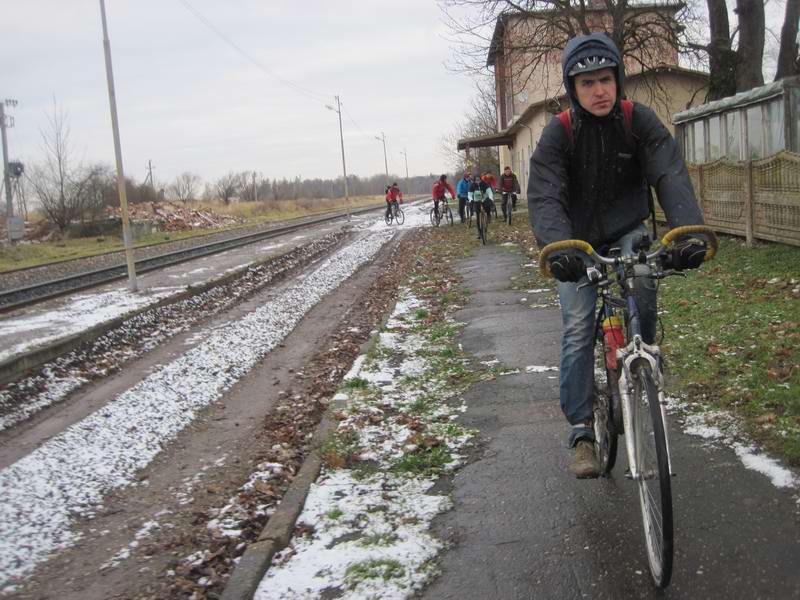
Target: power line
x,y
308,93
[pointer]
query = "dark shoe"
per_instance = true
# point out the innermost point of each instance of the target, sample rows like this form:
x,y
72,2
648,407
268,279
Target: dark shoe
x,y
585,465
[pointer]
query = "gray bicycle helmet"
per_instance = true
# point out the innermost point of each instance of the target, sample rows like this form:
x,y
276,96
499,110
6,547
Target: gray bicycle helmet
x,y
591,63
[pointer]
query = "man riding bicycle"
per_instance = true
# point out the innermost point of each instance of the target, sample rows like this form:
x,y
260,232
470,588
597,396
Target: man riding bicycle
x,y
509,185
589,179
393,196
481,196
440,187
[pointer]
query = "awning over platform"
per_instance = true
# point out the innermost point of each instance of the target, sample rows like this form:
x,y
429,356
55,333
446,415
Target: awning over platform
x,y
501,138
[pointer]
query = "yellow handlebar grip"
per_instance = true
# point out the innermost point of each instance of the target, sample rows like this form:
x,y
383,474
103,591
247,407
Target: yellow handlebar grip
x,y
544,268
713,241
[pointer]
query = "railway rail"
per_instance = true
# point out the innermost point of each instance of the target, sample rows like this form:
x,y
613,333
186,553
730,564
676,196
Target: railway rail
x,y
39,292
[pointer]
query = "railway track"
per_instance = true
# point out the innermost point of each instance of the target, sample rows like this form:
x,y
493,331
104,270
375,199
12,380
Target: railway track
x,y
39,292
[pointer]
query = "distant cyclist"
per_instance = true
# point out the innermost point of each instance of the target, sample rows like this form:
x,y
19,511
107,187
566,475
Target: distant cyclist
x,y
462,191
393,196
509,185
439,189
481,196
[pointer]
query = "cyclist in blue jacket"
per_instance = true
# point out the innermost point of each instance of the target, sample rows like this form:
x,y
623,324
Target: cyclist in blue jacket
x,y
462,190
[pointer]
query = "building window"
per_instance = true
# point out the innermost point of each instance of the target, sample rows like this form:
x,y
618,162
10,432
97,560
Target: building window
x,y
775,123
733,122
755,132
714,138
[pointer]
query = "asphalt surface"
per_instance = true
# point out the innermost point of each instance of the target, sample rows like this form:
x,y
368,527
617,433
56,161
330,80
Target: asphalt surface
x,y
523,527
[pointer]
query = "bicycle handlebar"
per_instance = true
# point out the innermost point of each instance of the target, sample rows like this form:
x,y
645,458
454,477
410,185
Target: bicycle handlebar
x,y
668,238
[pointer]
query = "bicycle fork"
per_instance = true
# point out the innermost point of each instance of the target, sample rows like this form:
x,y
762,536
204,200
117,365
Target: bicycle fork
x,y
639,350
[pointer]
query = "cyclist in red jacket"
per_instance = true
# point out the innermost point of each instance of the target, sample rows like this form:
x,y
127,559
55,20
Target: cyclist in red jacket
x,y
439,188
393,194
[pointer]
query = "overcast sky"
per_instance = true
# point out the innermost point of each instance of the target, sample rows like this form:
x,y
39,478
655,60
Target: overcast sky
x,y
188,101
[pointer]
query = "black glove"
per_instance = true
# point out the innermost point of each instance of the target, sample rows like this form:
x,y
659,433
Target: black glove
x,y
567,265
688,253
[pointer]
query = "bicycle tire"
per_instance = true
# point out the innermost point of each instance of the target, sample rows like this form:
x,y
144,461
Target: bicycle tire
x,y
654,480
606,439
508,212
388,218
400,216
434,217
449,215
469,215
482,224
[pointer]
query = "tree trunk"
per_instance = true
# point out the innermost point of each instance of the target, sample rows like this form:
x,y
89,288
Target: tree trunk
x,y
788,63
751,44
722,60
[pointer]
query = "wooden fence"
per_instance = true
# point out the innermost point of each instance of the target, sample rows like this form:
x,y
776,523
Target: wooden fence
x,y
758,199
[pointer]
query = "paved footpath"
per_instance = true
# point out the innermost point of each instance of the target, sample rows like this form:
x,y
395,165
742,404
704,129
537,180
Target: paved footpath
x,y
522,527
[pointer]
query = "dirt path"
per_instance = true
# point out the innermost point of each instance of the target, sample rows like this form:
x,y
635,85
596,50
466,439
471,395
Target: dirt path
x,y
136,546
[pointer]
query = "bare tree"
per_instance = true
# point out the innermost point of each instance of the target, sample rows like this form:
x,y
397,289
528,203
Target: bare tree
x,y
185,187
480,120
749,73
788,57
649,34
228,186
57,182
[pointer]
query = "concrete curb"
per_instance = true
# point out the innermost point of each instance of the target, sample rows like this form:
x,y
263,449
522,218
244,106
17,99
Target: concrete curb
x,y
278,531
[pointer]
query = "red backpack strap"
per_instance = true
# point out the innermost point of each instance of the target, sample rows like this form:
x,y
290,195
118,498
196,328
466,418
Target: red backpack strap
x,y
566,122
627,118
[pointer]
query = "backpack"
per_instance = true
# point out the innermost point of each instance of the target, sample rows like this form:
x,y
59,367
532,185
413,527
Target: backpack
x,y
627,122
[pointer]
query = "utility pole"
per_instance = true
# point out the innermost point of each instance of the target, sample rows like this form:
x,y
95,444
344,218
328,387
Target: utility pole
x,y
338,110
255,189
405,157
150,175
123,199
385,162
6,172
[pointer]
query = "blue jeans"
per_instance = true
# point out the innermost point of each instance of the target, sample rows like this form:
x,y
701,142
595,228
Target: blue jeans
x,y
576,377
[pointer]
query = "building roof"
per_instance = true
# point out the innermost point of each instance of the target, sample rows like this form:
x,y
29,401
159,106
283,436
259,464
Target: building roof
x,y
753,96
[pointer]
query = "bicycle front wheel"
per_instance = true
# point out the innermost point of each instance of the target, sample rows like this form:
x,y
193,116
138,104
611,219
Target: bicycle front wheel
x,y
434,217
448,214
388,218
653,476
482,222
605,433
508,211
399,216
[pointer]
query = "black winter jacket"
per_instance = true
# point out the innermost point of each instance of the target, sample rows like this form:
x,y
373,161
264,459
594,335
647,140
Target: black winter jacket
x,y
596,188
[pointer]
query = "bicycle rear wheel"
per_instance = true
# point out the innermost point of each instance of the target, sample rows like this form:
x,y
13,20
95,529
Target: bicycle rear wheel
x,y
399,216
653,479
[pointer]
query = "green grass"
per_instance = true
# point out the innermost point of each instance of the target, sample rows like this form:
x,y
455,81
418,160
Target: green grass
x,y
334,514
424,461
732,339
356,383
384,569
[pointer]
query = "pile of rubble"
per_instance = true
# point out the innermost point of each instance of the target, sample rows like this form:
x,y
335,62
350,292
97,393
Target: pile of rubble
x,y
174,217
